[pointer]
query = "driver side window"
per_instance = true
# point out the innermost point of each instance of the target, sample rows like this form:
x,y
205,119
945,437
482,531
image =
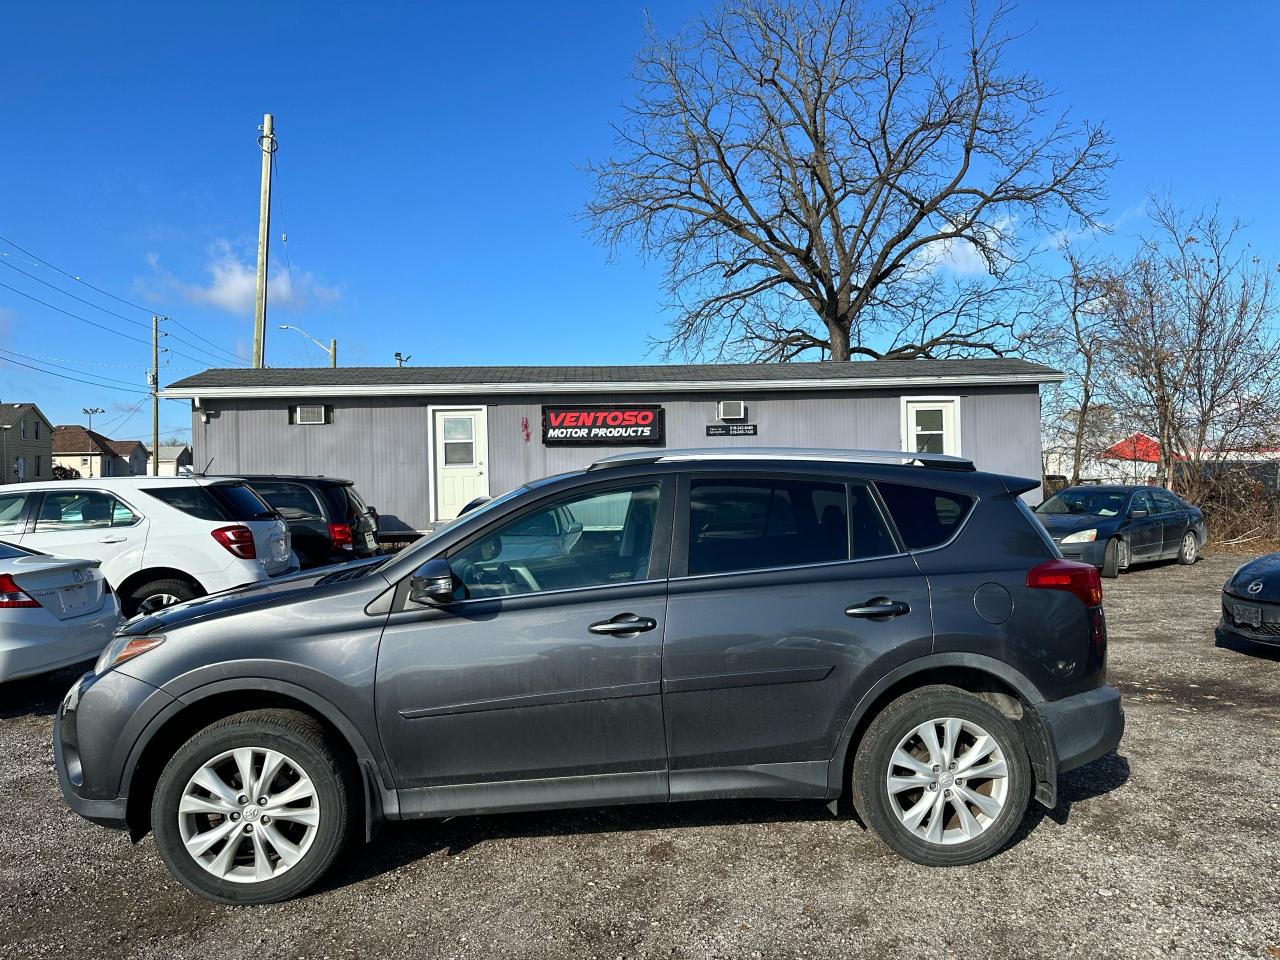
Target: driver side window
x,y
586,540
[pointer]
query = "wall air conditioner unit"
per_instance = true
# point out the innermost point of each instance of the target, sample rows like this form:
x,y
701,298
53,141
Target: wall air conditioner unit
x,y
309,413
731,410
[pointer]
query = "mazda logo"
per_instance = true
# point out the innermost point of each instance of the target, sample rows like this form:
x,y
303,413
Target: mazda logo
x,y
1255,587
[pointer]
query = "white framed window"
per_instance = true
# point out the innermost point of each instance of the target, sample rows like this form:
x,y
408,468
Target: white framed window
x,y
22,424
931,425
37,429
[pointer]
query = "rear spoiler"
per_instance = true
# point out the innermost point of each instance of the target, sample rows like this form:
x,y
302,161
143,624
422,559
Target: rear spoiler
x,y
1017,485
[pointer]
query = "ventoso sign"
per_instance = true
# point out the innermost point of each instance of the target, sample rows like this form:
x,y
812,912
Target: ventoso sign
x,y
601,426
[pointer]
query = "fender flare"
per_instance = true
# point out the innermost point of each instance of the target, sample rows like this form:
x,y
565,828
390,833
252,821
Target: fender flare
x,y
1039,744
381,798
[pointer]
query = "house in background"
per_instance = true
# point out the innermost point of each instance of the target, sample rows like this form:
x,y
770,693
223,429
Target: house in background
x,y
135,456
26,443
94,455
174,458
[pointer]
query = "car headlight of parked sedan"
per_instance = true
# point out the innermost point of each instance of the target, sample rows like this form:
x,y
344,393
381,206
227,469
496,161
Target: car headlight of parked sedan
x,y
1081,536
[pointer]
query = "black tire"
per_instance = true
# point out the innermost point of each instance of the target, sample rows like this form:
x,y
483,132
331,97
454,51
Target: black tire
x,y
871,767
1189,549
148,593
300,738
1111,559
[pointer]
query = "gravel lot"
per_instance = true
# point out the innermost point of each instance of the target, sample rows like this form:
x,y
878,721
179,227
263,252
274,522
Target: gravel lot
x,y
1171,847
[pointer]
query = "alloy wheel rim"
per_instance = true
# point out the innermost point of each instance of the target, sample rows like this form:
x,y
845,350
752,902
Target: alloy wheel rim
x,y
947,781
249,815
1189,546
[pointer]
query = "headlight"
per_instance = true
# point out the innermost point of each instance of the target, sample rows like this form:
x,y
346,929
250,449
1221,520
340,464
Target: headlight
x,y
1081,536
124,648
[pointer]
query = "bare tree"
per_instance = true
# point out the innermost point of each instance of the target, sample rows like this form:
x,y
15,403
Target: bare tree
x,y
813,174
1192,347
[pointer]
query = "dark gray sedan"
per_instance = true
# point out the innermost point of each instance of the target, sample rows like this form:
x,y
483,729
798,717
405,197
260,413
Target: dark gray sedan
x,y
1113,527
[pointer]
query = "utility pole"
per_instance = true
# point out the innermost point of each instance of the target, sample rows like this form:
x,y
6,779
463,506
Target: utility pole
x,y
401,360
155,396
333,352
267,141
89,412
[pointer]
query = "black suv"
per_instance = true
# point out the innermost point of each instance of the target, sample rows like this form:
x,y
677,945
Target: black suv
x,y
672,625
327,519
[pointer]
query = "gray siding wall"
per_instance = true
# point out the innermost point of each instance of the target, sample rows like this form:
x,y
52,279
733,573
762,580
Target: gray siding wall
x,y
382,444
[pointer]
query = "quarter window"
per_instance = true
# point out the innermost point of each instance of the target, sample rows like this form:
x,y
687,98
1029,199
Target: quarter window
x,y
750,524
293,500
925,517
551,548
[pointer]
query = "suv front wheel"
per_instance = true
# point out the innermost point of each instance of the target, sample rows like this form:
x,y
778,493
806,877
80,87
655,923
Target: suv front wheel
x,y
253,809
942,777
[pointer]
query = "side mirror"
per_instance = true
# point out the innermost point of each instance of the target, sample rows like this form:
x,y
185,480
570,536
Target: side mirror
x,y
1138,513
432,583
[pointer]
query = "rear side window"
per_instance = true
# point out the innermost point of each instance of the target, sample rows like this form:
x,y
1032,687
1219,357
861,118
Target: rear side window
x,y
925,517
193,501
12,506
749,524
240,502
293,500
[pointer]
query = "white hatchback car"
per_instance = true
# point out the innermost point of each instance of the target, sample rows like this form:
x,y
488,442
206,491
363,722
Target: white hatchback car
x,y
53,612
160,540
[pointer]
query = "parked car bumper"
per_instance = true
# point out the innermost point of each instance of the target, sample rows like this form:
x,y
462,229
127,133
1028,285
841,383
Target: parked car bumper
x,y
1090,553
1267,630
94,730
1084,727
34,641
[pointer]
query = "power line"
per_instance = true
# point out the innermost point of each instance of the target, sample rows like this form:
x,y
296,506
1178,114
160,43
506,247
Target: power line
x,y
76,316
213,353
109,380
63,376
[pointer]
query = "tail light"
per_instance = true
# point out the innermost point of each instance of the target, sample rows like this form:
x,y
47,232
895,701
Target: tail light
x,y
340,534
238,540
1080,579
12,595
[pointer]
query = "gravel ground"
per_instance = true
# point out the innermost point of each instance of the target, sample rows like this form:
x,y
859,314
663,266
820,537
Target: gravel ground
x,y
1170,847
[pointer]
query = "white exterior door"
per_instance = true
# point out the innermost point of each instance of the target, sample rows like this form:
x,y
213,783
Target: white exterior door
x,y
460,449
930,426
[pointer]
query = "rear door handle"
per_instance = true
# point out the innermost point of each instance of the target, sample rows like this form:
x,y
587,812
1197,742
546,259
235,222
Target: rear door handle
x,y
878,608
113,539
622,624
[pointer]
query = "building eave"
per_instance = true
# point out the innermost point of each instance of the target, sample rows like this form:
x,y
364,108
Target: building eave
x,y
842,384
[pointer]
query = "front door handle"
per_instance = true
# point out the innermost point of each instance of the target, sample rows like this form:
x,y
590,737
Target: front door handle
x,y
113,539
622,624
877,608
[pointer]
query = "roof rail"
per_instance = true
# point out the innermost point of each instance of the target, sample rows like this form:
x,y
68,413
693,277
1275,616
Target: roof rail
x,y
935,461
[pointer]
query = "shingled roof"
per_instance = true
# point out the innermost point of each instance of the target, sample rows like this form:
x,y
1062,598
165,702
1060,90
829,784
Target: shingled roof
x,y
850,375
71,438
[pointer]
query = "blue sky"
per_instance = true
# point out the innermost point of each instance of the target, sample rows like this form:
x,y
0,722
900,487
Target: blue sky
x,y
430,171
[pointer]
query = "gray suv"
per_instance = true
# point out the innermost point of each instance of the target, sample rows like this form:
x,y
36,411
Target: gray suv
x,y
892,628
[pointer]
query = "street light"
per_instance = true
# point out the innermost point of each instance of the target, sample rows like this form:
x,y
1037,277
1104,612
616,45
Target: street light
x,y
331,349
89,412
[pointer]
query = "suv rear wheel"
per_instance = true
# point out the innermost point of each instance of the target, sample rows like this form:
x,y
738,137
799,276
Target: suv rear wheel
x,y
252,809
942,777
158,594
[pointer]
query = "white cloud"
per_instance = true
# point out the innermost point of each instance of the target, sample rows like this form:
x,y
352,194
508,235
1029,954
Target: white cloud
x,y
960,257
232,284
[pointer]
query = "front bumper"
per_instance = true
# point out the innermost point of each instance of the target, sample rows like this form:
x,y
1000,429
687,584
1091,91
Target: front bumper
x,y
1267,630
1091,553
93,732
1083,727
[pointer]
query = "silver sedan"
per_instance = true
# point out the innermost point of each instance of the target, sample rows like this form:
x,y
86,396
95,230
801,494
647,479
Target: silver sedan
x,y
54,612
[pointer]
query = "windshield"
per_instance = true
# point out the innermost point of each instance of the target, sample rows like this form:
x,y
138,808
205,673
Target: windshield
x,y
1093,503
